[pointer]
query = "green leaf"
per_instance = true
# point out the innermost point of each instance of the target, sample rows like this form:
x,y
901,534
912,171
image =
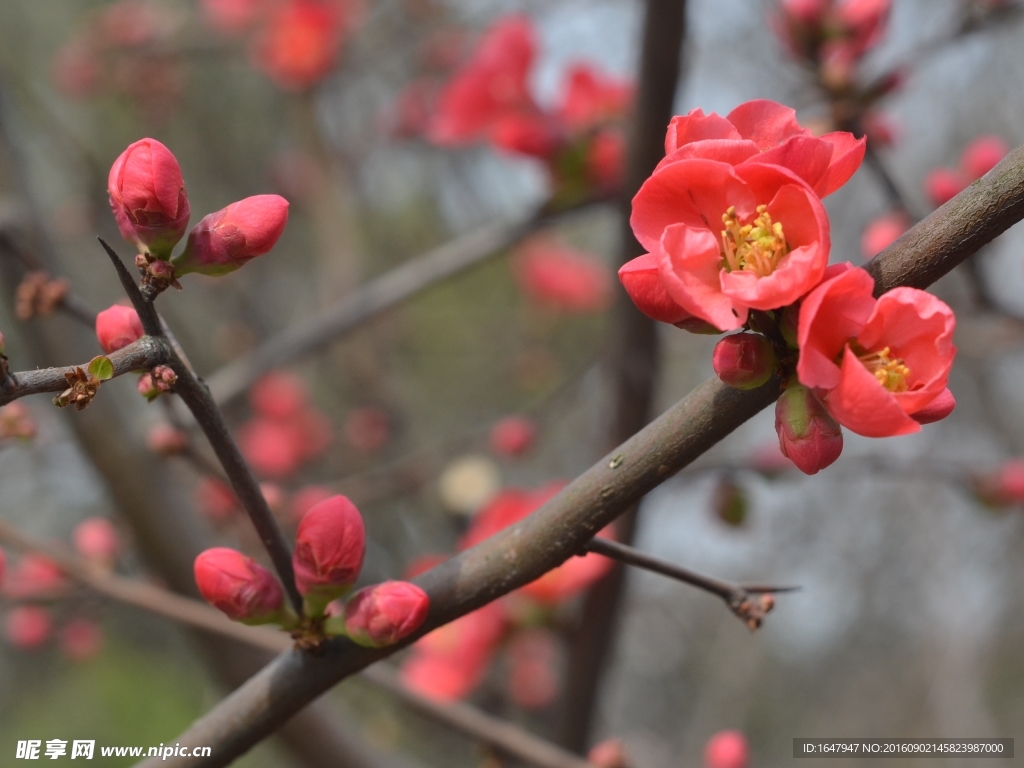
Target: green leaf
x,y
101,369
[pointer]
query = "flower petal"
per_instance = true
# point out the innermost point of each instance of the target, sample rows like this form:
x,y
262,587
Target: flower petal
x,y
690,262
765,122
862,405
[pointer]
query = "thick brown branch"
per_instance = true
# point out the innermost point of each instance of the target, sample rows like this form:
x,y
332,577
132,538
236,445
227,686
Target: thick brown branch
x,y
375,297
142,354
563,527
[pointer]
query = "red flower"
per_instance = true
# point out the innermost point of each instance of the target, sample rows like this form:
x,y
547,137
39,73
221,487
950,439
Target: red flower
x,y
729,239
561,277
590,98
28,626
383,614
490,86
511,506
96,539
147,196
300,41
883,232
117,327
641,278
239,586
874,362
766,132
727,749
224,241
329,548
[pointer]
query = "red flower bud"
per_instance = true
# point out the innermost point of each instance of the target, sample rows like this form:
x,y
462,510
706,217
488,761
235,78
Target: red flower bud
x,y
744,360
239,586
383,614
513,436
223,241
117,327
147,196
807,433
329,548
97,540
28,626
727,749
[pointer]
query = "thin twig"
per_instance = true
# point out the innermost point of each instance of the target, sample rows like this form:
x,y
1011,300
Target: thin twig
x,y
737,596
380,294
563,526
196,396
464,717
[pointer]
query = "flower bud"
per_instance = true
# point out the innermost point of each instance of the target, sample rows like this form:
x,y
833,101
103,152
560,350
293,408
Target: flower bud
x,y
34,576
329,546
744,360
156,382
97,540
383,614
117,327
239,586
28,626
808,435
147,196
223,241
727,749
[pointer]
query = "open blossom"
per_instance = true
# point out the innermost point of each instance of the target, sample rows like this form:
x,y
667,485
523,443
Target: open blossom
x,y
329,548
491,86
300,41
875,363
239,586
224,241
147,196
731,238
563,278
117,327
766,132
383,614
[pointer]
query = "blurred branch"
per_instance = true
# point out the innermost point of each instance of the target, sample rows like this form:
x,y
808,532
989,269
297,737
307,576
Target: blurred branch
x,y
739,598
633,357
378,295
197,397
146,353
564,526
464,717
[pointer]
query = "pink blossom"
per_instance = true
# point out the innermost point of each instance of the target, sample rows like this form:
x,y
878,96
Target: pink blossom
x,y
28,627
34,576
329,546
383,614
224,241
774,248
117,327
590,98
875,362
147,196
561,277
278,395
727,749
97,540
239,586
274,448
641,277
300,41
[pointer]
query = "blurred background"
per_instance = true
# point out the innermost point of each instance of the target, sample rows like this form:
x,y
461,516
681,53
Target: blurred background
x,y
501,375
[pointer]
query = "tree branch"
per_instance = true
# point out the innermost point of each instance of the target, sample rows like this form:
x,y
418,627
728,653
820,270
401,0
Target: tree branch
x,y
565,524
380,294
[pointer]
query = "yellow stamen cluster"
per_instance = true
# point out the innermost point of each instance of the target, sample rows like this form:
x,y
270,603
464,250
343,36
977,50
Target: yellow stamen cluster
x,y
891,372
757,247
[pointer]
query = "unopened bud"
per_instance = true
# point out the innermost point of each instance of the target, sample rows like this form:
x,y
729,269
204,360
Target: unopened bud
x,y
223,241
808,435
28,626
513,436
744,360
383,614
727,749
239,586
97,540
117,327
329,546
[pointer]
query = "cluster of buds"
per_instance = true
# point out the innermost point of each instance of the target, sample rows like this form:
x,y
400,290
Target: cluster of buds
x,y
148,199
489,98
157,382
876,366
329,547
